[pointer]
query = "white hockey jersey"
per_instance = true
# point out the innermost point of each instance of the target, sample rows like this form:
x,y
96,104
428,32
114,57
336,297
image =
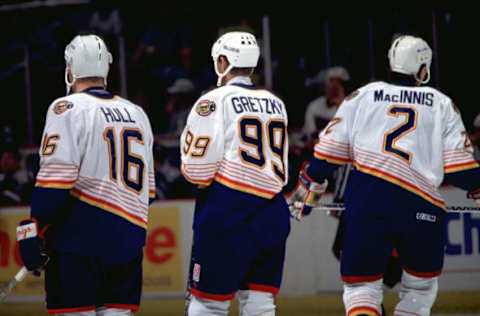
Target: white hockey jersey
x,y
237,135
99,146
409,136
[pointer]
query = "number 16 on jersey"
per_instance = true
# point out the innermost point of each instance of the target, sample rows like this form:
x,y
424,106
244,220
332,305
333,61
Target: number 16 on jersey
x,y
133,181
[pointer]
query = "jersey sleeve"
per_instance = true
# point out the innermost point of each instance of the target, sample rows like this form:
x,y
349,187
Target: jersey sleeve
x,y
460,167
334,144
202,141
150,160
334,140
60,157
457,148
60,153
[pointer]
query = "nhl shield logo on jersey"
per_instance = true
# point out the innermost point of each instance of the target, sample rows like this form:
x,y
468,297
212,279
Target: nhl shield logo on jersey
x,y
205,107
62,106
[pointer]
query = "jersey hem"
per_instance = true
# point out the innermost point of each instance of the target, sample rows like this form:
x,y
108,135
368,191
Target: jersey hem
x,y
244,187
106,206
407,186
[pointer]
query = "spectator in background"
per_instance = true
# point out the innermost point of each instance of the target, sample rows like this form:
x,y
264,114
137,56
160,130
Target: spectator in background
x,y
181,95
181,68
168,179
106,20
9,165
16,186
475,137
161,43
321,110
331,84
169,182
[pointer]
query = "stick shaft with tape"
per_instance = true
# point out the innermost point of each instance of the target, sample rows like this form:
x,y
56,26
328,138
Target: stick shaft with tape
x,y
21,274
453,209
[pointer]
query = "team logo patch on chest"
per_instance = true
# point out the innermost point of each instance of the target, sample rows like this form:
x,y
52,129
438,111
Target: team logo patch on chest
x,y
205,107
62,106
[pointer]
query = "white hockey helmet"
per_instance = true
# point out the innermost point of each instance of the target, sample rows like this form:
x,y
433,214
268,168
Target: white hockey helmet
x,y
240,49
407,55
87,56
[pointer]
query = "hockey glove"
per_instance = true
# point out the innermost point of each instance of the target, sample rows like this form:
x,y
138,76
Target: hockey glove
x,y
31,243
474,195
305,196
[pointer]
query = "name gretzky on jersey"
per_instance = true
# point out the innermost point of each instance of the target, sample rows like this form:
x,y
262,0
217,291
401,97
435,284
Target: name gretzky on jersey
x,y
237,135
256,105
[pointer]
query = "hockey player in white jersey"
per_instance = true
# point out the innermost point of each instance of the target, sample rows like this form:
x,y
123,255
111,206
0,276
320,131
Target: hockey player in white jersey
x,y
90,205
234,146
403,140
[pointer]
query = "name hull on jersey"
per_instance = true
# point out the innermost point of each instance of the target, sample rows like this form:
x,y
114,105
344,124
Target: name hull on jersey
x,y
117,115
256,105
405,96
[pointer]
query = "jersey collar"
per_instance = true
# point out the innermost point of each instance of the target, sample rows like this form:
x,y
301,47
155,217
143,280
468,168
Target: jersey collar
x,y
241,81
404,83
99,92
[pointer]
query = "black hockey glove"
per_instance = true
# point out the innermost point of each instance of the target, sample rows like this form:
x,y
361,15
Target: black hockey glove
x,y
31,243
474,195
305,196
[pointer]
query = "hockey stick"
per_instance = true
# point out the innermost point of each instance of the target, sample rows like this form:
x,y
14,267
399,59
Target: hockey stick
x,y
188,294
341,207
21,274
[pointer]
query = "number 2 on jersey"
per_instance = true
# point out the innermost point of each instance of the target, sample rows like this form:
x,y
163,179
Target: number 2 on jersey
x,y
392,136
129,160
251,135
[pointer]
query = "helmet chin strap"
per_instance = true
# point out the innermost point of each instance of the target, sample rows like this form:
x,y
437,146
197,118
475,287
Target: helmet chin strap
x,y
427,77
70,84
67,82
221,75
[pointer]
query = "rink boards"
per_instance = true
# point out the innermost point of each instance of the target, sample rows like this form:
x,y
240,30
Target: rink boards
x,y
310,266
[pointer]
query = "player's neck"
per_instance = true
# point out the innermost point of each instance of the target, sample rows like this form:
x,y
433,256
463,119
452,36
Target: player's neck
x,y
81,86
229,77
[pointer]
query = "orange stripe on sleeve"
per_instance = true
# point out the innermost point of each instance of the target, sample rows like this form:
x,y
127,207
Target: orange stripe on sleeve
x,y
461,167
55,184
332,159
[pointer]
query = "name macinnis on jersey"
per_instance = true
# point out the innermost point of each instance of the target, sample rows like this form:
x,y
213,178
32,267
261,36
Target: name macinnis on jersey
x,y
404,96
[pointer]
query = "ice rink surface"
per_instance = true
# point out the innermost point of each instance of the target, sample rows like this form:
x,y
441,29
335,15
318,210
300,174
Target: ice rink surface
x,y
465,303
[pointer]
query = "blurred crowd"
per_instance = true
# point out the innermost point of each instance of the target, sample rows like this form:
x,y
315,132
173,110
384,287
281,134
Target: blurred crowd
x,y
162,62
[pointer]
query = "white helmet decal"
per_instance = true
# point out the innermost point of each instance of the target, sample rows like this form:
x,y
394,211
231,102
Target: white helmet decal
x,y
87,56
407,54
240,49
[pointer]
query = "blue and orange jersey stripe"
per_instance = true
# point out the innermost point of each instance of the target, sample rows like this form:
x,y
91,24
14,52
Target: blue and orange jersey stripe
x,y
108,206
400,182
